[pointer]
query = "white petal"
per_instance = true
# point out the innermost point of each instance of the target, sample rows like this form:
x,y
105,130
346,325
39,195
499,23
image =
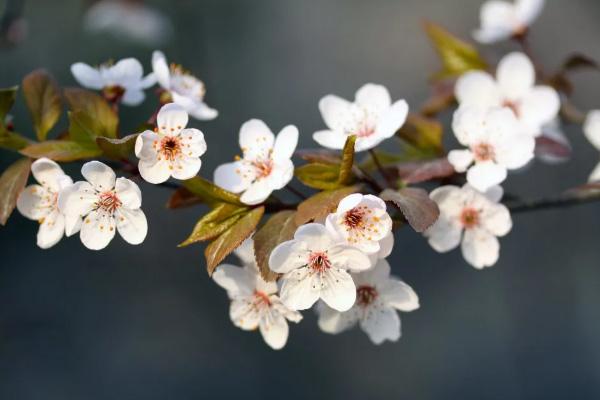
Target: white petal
x,y
281,175
517,152
232,177
185,167
484,175
33,202
100,175
200,110
274,330
595,175
161,69
97,230
51,230
480,248
375,276
87,76
48,173
381,323
373,96
335,112
285,143
386,245
244,314
315,236
237,281
75,202
144,144
154,171
492,35
300,289
171,119
287,256
497,21
132,225
538,107
348,257
494,193
392,119
444,235
591,128
133,97
148,81
398,295
338,290
528,10
476,88
256,139
128,193
515,75
496,219
330,139
193,142
460,159
257,192
467,124
332,321
127,72
245,252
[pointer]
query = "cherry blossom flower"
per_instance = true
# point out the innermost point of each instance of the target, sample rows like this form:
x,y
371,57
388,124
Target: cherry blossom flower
x,y
315,266
361,221
591,129
122,81
40,202
494,143
172,150
501,20
478,215
266,164
372,118
102,204
184,88
378,298
254,302
514,88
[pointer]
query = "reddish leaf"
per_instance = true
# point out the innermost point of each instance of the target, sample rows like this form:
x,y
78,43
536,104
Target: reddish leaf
x,y
12,182
416,206
279,228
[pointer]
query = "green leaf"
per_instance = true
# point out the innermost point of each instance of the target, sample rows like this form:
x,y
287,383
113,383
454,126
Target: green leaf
x,y
279,228
322,204
118,149
456,55
346,177
212,224
42,96
211,193
12,140
82,127
7,99
62,150
319,176
419,210
12,182
97,109
229,240
424,134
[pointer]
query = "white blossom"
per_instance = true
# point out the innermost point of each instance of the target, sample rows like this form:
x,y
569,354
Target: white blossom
x,y
501,20
266,163
172,150
372,118
591,129
40,202
379,296
314,265
361,221
494,144
184,88
254,302
514,87
479,215
124,80
102,205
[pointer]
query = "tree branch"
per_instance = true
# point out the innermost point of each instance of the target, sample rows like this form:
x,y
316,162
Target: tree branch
x,y
564,200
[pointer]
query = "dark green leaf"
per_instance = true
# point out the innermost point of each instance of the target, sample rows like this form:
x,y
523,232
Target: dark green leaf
x,y
279,228
42,96
62,150
97,109
7,99
118,149
12,182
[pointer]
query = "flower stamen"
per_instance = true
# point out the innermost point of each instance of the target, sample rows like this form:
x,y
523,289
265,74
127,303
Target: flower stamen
x,y
109,202
365,295
469,218
319,261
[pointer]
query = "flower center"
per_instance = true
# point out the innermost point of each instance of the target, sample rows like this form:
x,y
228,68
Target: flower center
x,y
319,261
469,218
261,299
354,218
263,167
109,202
365,295
170,147
113,93
514,107
483,152
365,130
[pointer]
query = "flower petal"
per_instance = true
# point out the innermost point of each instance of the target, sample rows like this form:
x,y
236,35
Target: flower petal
x,y
132,225
128,193
595,175
200,110
100,175
460,159
392,119
515,75
234,176
281,175
257,192
185,167
256,139
444,235
591,128
97,230
127,72
34,202
274,330
332,321
330,139
528,10
171,119
373,96
517,152
337,289
154,171
87,76
285,144
48,174
244,314
300,289
348,257
161,69
235,280
381,323
133,97
75,202
496,219
539,107
335,112
476,88
193,142
398,295
484,175
287,256
480,248
52,229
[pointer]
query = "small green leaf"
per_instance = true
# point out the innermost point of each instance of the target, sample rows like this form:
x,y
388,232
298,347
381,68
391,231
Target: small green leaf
x,y
211,193
42,96
12,140
97,109
321,204
279,228
425,134
456,55
419,210
62,150
82,127
319,176
7,99
346,177
229,240
212,224
12,182
118,149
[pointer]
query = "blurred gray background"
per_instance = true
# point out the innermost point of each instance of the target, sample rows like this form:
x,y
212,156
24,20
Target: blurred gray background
x,y
146,322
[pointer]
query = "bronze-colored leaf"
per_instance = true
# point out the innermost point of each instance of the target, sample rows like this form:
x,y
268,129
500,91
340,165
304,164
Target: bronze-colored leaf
x,y
12,182
61,150
346,176
423,171
181,198
416,206
215,222
319,176
97,109
279,228
118,149
210,193
12,140
457,56
322,204
7,99
42,96
229,240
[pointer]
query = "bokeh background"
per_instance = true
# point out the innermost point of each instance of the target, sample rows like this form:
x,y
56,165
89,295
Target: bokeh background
x,y
146,322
